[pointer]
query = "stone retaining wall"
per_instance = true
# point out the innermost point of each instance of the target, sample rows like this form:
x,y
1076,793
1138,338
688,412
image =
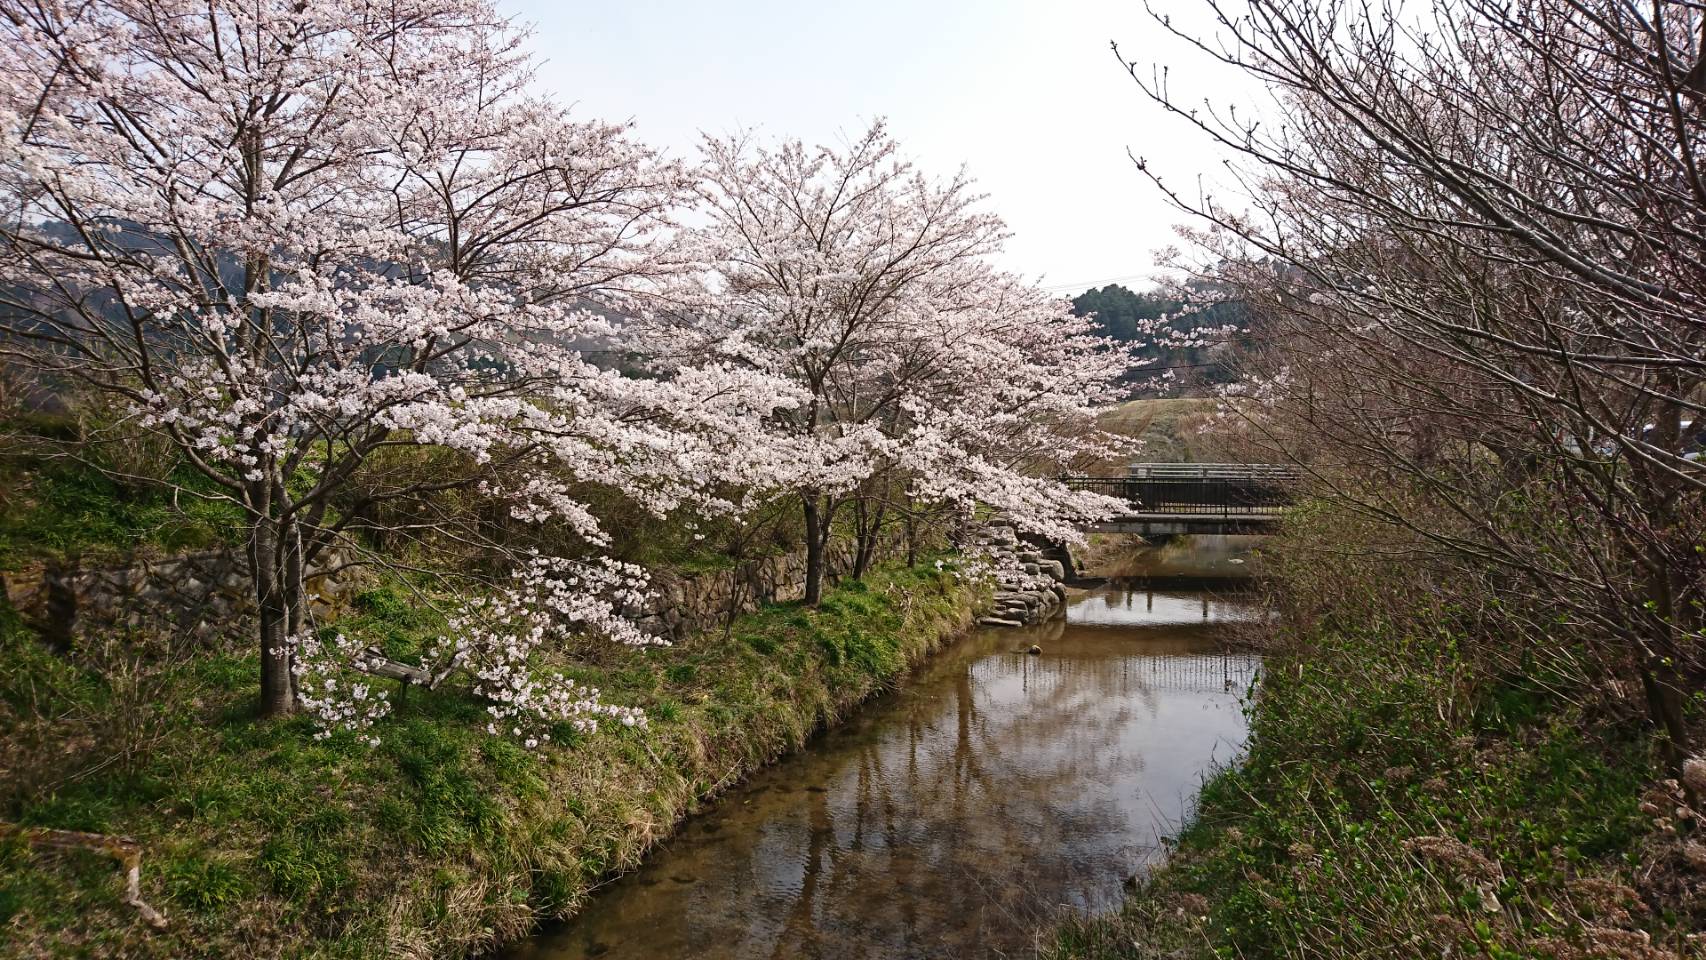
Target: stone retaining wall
x,y
685,604
1029,587
204,594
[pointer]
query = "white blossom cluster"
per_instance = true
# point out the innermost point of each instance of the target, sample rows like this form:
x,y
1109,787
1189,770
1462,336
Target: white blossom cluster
x,y
496,639
407,248
1181,330
332,688
865,285
988,563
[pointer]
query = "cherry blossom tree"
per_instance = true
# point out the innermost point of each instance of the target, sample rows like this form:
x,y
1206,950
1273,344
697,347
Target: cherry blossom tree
x,y
865,284
294,236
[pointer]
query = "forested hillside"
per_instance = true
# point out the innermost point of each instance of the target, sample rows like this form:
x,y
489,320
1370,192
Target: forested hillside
x,y
1183,340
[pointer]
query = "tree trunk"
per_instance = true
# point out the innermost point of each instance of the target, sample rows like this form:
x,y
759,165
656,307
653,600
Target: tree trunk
x,y
295,602
860,519
295,583
59,613
816,535
1665,710
911,520
870,534
1665,669
272,604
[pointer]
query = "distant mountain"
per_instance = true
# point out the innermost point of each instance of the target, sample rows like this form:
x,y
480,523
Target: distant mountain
x,y
1152,320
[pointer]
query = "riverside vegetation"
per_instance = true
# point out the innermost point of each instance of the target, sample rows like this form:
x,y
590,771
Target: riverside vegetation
x,y
1475,292
1417,785
261,840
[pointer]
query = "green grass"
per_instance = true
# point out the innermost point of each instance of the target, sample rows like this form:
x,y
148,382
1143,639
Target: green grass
x,y
57,509
260,840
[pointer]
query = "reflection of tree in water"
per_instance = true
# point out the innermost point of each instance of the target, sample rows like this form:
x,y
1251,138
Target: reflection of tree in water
x,y
797,939
979,797
949,820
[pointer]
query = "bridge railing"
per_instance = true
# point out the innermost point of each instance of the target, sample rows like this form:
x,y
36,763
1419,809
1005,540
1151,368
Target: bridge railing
x,y
1223,490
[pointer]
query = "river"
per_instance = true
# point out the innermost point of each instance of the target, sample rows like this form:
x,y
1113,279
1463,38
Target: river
x,y
959,815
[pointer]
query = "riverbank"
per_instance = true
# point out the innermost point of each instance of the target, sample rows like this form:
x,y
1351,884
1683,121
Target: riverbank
x,y
442,841
947,818
1417,785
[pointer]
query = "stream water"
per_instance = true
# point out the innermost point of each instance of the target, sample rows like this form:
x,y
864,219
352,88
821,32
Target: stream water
x,y
961,814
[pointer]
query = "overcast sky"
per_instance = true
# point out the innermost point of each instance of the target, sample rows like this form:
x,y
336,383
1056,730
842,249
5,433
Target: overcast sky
x,y
1025,93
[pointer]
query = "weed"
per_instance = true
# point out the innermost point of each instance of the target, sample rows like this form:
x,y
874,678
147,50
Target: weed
x,y
204,885
301,866
59,508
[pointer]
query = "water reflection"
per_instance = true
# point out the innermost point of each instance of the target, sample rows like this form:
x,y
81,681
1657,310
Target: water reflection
x,y
1147,607
1199,557
953,818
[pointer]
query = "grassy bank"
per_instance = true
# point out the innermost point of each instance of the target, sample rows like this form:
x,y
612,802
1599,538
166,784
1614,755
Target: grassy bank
x,y
1413,788
54,509
261,841
1171,429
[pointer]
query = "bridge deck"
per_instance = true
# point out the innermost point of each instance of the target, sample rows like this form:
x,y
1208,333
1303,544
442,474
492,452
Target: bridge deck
x,y
1197,495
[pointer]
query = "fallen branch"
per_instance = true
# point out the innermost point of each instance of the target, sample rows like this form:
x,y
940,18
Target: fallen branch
x,y
373,662
123,849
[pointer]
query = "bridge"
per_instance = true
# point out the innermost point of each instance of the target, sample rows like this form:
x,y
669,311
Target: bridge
x,y
1170,499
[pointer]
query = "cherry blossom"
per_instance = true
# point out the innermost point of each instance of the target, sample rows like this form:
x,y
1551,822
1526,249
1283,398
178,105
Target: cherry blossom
x,y
294,236
866,285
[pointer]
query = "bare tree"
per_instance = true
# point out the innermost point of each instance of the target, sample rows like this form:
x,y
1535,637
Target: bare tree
x,y
1475,236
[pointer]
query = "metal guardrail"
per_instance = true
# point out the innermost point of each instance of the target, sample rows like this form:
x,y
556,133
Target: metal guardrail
x,y
1198,489
1277,472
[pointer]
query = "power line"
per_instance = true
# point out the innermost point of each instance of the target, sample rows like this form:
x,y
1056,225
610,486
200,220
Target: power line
x,y
1087,284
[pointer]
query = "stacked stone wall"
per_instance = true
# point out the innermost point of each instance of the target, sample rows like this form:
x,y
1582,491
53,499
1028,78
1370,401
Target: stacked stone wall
x,y
1029,587
685,604
204,595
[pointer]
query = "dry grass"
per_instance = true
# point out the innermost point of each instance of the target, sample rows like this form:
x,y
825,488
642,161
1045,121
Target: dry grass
x,y
1170,428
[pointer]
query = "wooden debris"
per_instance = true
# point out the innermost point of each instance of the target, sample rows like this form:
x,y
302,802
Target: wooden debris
x,y
126,851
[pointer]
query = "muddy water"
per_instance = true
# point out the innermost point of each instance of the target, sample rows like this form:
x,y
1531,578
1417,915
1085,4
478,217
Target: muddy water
x,y
956,816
